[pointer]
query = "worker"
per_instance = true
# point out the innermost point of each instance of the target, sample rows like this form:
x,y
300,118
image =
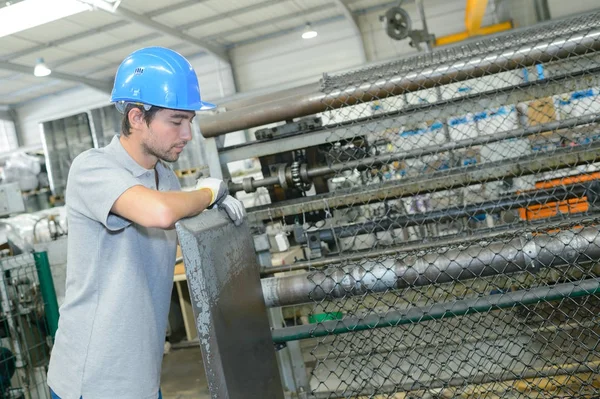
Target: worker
x,y
122,203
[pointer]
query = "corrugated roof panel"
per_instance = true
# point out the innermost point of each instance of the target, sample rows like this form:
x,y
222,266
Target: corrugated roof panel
x,y
240,12
51,55
320,14
52,31
238,37
121,53
118,54
93,19
355,5
12,44
129,31
297,22
88,43
313,3
107,73
186,15
170,42
214,28
28,77
81,66
43,90
145,6
226,6
9,86
273,11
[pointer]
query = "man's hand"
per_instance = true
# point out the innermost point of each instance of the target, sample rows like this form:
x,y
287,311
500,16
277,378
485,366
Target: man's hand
x,y
234,208
217,187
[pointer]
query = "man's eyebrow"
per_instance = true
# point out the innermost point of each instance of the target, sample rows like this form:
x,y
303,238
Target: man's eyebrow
x,y
181,115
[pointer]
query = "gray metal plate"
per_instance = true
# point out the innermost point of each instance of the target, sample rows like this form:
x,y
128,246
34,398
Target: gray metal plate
x,y
231,318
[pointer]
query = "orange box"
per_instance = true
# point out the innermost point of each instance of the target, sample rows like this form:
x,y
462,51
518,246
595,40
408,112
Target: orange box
x,y
571,206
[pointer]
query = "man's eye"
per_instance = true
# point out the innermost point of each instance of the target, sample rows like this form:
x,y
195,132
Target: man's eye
x,y
177,123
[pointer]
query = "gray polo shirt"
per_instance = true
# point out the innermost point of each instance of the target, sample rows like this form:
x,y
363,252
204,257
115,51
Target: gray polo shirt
x,y
113,320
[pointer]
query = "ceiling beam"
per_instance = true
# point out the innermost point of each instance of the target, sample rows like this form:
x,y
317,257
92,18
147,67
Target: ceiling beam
x,y
343,7
27,70
131,16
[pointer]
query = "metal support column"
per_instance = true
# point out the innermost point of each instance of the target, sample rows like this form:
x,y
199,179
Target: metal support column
x,y
290,361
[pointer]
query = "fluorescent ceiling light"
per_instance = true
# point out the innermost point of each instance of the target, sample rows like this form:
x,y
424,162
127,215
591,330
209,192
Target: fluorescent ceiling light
x,y
41,69
309,32
106,5
31,13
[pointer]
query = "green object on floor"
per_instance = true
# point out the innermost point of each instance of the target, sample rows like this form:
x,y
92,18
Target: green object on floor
x,y
321,317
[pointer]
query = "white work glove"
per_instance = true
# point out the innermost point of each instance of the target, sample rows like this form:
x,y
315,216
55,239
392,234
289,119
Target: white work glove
x,y
217,187
234,208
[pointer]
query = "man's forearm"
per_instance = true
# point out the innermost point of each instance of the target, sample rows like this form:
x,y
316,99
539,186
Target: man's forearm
x,y
181,204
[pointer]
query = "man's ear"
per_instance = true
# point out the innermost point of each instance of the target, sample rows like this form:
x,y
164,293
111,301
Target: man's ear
x,y
136,118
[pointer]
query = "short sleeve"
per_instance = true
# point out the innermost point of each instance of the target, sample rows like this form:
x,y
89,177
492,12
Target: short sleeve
x,y
95,182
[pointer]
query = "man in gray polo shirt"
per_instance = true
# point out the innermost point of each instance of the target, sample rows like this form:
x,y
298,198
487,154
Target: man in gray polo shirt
x,y
122,202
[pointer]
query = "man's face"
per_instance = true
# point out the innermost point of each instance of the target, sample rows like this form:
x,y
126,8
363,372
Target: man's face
x,y
168,133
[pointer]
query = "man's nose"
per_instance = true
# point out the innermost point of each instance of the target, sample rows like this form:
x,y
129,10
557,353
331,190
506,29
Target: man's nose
x,y
186,132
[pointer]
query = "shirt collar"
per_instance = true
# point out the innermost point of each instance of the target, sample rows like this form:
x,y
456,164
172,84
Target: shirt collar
x,y
123,156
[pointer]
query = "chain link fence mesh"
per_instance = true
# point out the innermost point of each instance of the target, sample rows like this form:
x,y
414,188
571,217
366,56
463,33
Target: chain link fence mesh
x,y
25,339
463,206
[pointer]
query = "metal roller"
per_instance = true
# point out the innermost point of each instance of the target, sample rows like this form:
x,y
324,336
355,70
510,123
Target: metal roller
x,y
480,260
519,55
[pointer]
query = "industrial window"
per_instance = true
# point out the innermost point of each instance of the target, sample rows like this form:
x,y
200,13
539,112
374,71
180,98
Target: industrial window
x,y
8,136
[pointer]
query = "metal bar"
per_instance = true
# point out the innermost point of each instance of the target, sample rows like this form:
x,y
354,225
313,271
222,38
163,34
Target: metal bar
x,y
453,145
533,331
441,311
523,254
291,364
542,10
312,103
439,216
42,266
443,180
421,9
483,31
577,80
474,12
8,307
418,245
570,370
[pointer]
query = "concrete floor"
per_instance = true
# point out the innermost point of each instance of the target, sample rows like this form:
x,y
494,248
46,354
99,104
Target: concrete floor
x,y
183,375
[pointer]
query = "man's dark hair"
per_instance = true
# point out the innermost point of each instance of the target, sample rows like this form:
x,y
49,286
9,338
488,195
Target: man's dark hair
x,y
148,116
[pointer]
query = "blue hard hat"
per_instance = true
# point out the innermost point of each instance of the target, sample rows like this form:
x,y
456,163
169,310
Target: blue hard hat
x,y
160,77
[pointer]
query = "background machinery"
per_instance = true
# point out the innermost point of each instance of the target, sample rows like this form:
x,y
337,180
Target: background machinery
x,y
428,227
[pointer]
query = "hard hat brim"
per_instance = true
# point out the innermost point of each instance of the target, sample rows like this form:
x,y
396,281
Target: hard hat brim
x,y
207,106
